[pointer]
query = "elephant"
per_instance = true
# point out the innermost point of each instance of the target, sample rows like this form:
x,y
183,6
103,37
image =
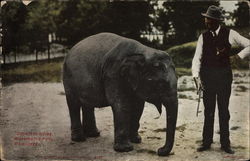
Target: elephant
x,y
110,70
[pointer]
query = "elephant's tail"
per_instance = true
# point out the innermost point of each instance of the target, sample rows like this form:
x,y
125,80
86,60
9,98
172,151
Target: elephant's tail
x,y
66,73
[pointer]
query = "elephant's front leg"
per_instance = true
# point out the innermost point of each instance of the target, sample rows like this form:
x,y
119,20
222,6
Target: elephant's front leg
x,y
119,97
136,112
121,114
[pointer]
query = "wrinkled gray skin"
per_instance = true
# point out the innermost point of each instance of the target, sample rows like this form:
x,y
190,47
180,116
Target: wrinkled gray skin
x,y
110,70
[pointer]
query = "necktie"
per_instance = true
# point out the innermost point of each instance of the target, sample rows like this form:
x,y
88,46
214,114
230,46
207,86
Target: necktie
x,y
215,40
213,33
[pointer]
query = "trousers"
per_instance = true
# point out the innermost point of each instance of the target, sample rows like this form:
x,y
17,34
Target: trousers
x,y
217,88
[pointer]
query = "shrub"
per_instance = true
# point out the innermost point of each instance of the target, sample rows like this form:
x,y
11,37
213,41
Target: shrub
x,y
182,56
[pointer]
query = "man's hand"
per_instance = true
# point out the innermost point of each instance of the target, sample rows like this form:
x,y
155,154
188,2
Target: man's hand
x,y
198,84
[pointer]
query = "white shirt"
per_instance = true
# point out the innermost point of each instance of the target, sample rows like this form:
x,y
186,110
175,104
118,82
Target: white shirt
x,y
235,39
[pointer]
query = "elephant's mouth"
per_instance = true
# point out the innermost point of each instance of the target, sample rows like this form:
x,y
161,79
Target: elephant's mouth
x,y
157,102
153,95
153,98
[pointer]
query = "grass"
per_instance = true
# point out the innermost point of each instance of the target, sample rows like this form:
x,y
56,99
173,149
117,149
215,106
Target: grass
x,y
183,46
42,71
183,71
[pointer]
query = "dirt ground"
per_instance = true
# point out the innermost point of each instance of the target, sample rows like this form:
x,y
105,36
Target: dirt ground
x,y
35,125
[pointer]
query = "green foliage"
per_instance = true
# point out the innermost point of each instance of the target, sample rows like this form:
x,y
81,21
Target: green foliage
x,y
13,16
180,21
183,71
26,29
44,15
182,56
28,26
241,15
42,19
244,31
80,19
129,18
32,72
121,17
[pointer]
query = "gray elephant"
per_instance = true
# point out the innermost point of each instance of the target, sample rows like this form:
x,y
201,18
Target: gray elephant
x,y
110,70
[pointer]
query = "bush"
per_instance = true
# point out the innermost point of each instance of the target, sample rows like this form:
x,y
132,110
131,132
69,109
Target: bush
x,y
182,56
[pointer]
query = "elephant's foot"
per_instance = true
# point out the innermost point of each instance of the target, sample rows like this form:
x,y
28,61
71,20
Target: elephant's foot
x,y
163,151
92,133
77,135
136,138
123,147
78,139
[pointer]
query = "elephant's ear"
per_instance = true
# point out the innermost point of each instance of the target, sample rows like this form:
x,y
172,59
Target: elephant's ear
x,y
131,68
112,60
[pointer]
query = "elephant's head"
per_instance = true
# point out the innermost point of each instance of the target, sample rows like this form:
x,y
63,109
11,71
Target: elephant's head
x,y
153,79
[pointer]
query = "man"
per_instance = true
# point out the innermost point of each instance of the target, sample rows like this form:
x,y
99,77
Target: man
x,y
211,66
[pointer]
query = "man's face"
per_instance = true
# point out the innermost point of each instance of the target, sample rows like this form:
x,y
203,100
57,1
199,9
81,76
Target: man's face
x,y
211,24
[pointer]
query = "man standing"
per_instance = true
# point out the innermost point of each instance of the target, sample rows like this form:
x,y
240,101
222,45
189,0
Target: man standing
x,y
211,67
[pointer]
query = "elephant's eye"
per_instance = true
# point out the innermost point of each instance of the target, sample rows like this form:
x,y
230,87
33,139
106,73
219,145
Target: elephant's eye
x,y
156,64
159,66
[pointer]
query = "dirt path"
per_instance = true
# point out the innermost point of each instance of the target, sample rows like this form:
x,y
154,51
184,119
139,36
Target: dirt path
x,y
38,113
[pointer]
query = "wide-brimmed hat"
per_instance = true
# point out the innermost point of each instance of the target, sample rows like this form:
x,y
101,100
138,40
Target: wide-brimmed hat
x,y
214,12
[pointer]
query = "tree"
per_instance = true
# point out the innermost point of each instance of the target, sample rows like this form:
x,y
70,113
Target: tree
x,y
72,20
80,19
129,18
180,21
41,21
241,15
13,16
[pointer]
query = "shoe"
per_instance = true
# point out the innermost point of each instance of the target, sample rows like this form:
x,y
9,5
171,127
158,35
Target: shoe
x,y
227,150
203,148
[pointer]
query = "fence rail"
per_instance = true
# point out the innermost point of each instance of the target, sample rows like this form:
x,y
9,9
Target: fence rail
x,y
56,51
30,57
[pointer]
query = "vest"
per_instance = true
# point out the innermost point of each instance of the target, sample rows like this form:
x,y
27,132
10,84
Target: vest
x,y
211,46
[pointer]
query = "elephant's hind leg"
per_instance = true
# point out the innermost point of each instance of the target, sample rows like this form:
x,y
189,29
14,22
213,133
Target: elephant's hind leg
x,y
89,123
74,112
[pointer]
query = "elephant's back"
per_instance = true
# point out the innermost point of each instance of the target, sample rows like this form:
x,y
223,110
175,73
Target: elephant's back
x,y
83,66
89,52
96,44
85,59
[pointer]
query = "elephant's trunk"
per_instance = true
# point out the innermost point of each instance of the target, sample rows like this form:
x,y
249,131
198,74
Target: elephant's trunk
x,y
171,105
